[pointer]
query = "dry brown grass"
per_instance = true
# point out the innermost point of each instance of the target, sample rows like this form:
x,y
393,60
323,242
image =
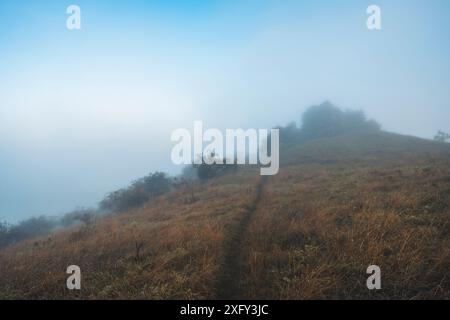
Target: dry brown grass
x,y
321,225
178,258
336,207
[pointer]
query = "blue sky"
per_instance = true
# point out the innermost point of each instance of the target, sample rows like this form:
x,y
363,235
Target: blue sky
x,y
84,112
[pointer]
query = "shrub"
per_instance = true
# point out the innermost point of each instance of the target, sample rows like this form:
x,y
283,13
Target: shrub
x,y
26,229
139,192
189,172
442,136
288,134
154,185
206,171
86,216
4,234
326,120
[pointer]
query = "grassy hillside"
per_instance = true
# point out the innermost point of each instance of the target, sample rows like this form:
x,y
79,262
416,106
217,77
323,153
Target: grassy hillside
x,y
337,206
345,203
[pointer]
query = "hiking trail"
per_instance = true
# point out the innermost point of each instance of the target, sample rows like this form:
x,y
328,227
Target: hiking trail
x,y
230,271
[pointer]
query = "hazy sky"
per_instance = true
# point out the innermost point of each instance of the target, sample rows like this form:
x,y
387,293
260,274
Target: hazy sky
x,y
84,112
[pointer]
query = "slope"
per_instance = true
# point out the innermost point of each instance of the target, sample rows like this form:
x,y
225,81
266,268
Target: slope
x,y
338,205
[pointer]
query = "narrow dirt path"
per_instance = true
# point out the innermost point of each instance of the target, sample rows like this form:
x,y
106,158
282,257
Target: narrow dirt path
x,y
227,286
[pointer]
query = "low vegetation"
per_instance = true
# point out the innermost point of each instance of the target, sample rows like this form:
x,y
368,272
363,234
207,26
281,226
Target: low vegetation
x,y
347,196
357,201
327,120
138,193
442,136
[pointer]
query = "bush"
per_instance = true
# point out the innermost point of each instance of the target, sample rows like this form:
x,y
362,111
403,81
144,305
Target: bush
x,y
206,171
288,134
26,229
85,216
442,136
137,194
189,172
154,185
4,234
326,120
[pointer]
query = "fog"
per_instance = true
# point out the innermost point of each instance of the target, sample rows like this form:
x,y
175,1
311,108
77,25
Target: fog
x,y
84,112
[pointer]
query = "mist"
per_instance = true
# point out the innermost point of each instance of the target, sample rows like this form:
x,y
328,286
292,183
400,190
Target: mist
x,y
85,112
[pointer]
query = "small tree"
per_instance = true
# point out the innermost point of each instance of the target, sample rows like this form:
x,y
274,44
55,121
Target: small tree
x,y
4,234
155,184
33,227
322,121
206,171
442,136
288,133
139,192
189,172
326,120
86,216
